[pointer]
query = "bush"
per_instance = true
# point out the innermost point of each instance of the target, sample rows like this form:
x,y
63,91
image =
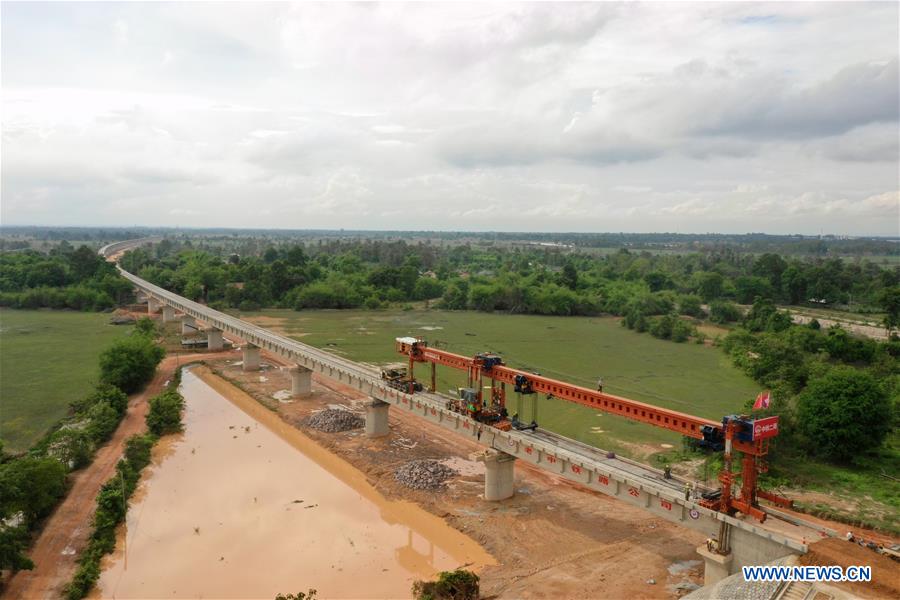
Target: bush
x,y
14,542
137,450
112,505
681,331
844,413
72,447
165,413
130,363
335,293
450,585
31,485
662,327
145,326
724,312
103,392
690,305
102,421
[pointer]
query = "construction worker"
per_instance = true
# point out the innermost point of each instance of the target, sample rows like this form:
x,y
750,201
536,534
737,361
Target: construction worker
x,y
667,472
599,384
687,490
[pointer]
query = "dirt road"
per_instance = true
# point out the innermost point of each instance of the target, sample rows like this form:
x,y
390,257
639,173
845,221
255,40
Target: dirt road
x,y
66,531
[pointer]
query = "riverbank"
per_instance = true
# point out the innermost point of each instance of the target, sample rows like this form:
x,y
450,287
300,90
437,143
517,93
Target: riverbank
x,y
65,533
242,505
551,540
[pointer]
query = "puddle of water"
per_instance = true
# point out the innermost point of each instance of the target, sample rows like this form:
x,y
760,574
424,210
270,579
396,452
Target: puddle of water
x,y
285,396
243,505
684,565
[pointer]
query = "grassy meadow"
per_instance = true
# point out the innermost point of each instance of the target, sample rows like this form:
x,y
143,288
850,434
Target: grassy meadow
x,y
686,377
47,359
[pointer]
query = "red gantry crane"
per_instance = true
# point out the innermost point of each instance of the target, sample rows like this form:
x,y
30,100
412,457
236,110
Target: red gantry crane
x,y
735,433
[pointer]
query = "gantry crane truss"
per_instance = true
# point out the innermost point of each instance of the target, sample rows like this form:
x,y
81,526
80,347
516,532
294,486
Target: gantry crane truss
x,y
734,433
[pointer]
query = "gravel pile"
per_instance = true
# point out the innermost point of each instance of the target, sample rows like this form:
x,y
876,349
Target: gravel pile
x,y
424,474
333,420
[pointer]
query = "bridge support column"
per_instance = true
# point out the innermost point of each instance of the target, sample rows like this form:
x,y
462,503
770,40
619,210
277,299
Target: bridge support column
x,y
377,418
716,566
251,357
214,341
188,325
168,313
499,475
301,381
152,305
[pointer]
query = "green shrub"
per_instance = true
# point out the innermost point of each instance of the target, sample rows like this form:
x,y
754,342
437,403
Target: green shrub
x,y
103,392
165,413
722,312
102,421
145,326
32,485
844,414
450,585
72,447
130,363
690,305
137,450
14,542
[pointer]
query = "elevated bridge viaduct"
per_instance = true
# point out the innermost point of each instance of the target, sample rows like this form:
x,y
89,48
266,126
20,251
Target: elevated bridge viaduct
x,y
750,542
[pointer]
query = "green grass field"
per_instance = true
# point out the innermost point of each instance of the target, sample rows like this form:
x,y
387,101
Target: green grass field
x,y
47,359
686,377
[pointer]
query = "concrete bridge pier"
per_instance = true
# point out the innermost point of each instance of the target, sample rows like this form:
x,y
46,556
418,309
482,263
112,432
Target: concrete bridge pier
x,y
377,418
301,381
716,567
188,325
168,313
152,305
214,341
251,357
735,547
499,474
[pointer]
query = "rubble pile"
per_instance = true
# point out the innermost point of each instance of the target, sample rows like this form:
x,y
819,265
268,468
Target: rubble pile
x,y
424,474
332,420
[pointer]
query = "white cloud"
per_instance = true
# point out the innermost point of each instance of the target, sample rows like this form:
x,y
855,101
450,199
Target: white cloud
x,y
729,117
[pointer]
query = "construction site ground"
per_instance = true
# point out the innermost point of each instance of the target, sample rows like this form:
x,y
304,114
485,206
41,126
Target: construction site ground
x,y
551,540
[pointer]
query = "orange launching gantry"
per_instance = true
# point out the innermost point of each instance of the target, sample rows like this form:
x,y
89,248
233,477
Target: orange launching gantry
x,y
734,433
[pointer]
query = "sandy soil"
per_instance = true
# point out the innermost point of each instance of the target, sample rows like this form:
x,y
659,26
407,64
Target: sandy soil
x,y
65,532
551,540
869,331
885,572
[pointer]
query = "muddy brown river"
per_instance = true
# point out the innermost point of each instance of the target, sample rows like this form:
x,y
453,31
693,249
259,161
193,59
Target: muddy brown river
x,y
242,505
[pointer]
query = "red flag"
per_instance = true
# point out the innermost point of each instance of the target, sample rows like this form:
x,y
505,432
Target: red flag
x,y
762,401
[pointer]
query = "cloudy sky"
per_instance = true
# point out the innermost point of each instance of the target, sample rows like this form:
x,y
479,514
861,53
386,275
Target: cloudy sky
x,y
680,117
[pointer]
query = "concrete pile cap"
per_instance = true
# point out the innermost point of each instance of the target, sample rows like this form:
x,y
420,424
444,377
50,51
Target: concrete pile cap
x,y
424,474
333,420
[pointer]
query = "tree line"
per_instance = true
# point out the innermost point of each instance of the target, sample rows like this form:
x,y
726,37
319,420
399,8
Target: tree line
x,y
65,277
547,281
